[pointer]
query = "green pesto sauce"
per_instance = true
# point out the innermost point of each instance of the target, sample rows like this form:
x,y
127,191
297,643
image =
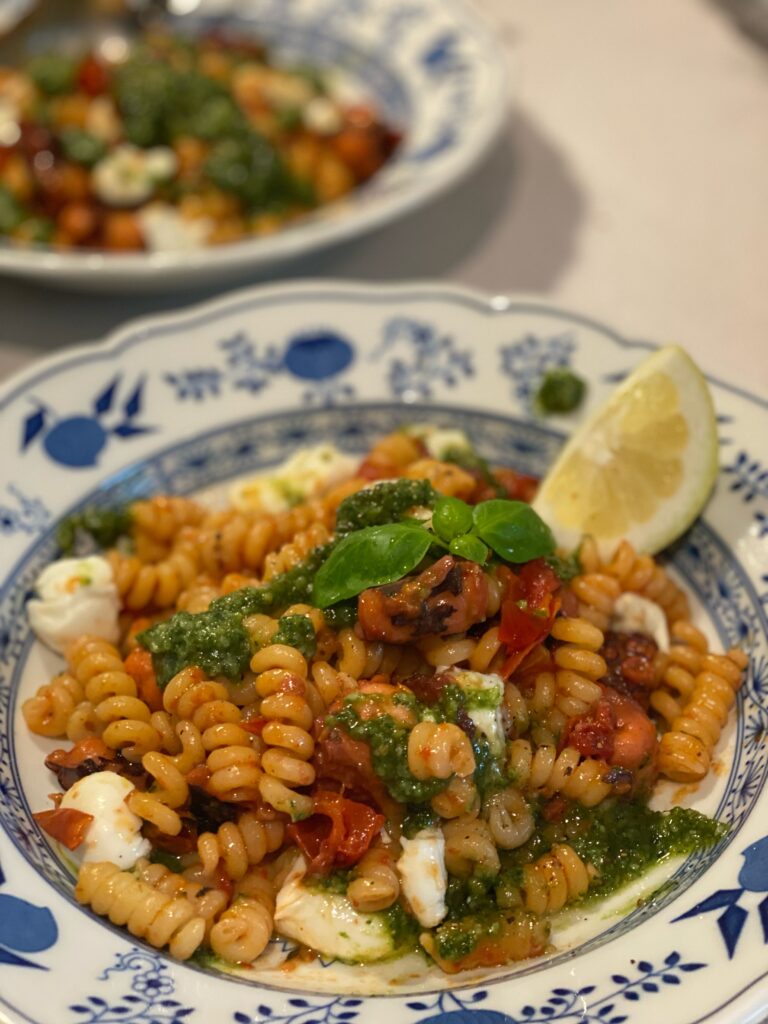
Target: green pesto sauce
x,y
490,772
342,615
565,567
105,525
458,938
560,391
419,818
216,640
385,503
403,929
621,840
172,861
336,883
388,742
296,631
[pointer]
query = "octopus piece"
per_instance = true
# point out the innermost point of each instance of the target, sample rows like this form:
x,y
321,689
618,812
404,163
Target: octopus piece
x,y
449,597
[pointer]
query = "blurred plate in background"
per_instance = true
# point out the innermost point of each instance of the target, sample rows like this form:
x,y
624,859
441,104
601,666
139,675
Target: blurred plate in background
x,y
433,70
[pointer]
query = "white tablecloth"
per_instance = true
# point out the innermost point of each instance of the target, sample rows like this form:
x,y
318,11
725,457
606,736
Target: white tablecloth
x,y
631,184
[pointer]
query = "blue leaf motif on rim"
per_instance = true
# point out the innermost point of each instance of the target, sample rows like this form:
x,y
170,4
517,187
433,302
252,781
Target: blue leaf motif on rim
x,y
24,928
753,878
334,1010
22,514
147,999
526,362
427,358
581,1005
77,441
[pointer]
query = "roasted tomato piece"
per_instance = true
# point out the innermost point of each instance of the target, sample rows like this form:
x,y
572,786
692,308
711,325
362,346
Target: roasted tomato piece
x,y
337,834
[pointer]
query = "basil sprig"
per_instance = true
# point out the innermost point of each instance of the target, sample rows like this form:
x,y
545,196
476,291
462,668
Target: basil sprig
x,y
375,555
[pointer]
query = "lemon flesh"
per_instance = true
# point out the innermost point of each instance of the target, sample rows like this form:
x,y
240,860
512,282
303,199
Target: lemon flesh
x,y
642,466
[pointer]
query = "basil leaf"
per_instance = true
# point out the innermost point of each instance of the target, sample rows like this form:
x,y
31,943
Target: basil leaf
x,y
368,558
469,546
514,531
451,517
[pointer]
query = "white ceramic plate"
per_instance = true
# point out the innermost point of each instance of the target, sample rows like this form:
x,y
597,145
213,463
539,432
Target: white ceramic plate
x,y
186,401
433,68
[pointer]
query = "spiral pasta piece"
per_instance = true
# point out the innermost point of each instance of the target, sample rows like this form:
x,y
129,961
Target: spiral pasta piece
x,y
159,919
439,750
48,712
375,885
208,902
555,879
244,929
685,752
638,574
469,848
239,845
578,665
510,819
282,683
125,719
155,584
162,516
170,791
545,771
295,550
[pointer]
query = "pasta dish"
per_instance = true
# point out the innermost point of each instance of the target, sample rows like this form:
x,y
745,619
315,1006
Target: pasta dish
x,y
366,707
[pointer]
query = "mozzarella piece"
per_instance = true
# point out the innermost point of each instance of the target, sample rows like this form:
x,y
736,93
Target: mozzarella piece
x,y
75,596
300,478
423,875
165,230
439,440
114,835
328,923
484,694
127,175
322,116
635,614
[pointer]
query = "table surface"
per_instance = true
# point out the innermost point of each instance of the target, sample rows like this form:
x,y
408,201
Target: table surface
x,y
629,185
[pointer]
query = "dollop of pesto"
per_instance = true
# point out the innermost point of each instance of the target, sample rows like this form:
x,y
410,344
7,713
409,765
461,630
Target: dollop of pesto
x,y
388,741
622,840
560,391
103,524
387,502
296,631
216,640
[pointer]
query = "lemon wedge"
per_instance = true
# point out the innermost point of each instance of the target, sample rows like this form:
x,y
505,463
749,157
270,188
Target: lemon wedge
x,y
642,466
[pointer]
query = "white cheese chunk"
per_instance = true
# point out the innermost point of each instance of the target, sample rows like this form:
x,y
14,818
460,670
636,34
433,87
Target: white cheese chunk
x,y
328,923
439,440
75,596
127,175
484,694
300,478
322,116
114,835
423,875
165,230
635,614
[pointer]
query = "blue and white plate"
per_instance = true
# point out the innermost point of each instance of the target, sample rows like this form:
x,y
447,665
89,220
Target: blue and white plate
x,y
433,68
183,402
